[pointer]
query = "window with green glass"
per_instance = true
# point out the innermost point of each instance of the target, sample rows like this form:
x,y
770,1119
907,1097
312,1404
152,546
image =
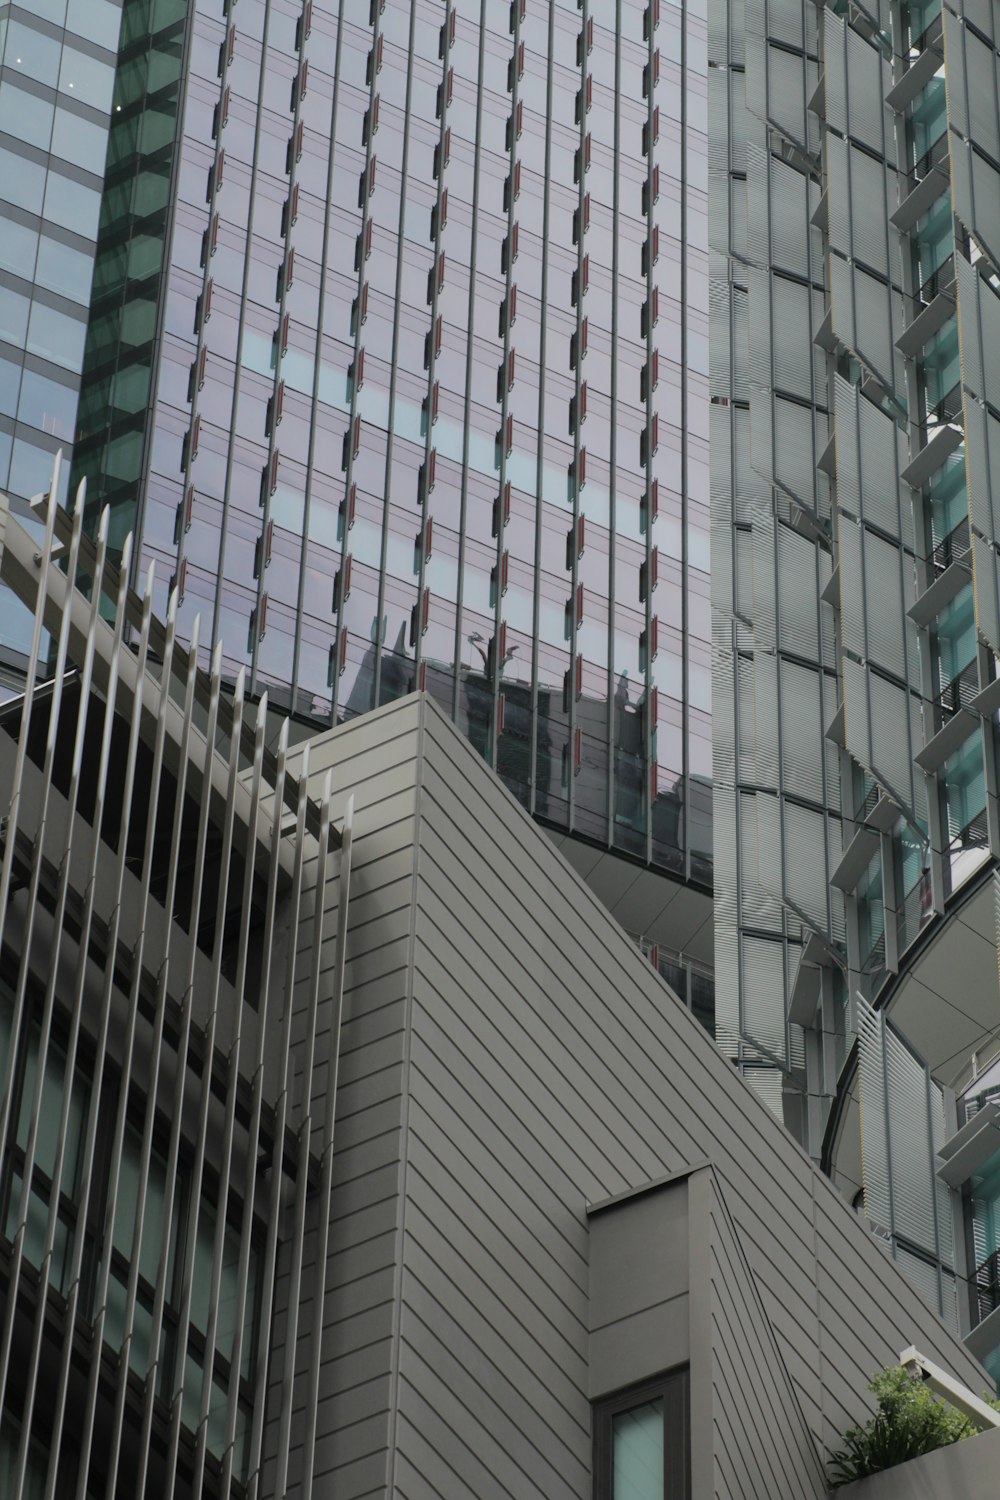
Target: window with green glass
x,y
641,1442
933,240
947,497
964,785
955,636
927,123
940,369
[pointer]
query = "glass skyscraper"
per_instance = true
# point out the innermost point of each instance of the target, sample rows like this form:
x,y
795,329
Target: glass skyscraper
x,y
396,360
856,456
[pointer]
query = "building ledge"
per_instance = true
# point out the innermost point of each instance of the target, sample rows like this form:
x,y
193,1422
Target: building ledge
x,y
970,1148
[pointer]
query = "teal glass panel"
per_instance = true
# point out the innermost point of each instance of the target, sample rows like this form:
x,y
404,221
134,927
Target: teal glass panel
x,y
47,1139
871,908
964,783
917,17
940,365
36,1470
928,119
947,496
956,635
154,1210
36,1232
637,1453
933,239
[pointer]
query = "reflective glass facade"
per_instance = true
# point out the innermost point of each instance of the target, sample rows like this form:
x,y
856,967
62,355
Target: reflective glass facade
x,y
404,377
57,90
856,454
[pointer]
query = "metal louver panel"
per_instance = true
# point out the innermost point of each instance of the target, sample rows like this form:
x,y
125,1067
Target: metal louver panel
x,y
807,865
747,722
976,195
982,460
766,719
763,1019
783,450
979,331
902,1125
986,566
801,700
867,318
884,740
802,572
759,907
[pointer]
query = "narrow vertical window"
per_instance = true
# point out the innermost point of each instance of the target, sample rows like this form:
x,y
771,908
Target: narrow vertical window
x,y
640,1442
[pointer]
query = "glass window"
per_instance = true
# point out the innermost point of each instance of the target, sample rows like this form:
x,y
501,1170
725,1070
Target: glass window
x,y
956,636
928,122
48,404
13,316
640,1442
56,336
86,79
63,269
72,205
947,497
10,384
98,20
18,243
933,241
941,370
637,1452
30,468
79,141
21,181
28,51
25,115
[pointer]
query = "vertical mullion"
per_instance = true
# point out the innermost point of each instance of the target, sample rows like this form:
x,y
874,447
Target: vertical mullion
x,y
27,1170
613,445
39,836
184,1034
326,1183
90,887
14,807
241,330
136,960
315,399
197,1172
233,1068
305,1142
272,436
253,1129
90,1141
152,1083
469,364
20,996
278,1145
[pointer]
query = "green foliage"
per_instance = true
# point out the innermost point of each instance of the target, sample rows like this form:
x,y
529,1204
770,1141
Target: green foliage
x,y
907,1422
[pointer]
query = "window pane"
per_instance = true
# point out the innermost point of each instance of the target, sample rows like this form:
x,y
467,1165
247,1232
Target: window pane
x,y
18,244
72,205
637,1453
56,336
21,181
48,405
63,269
25,115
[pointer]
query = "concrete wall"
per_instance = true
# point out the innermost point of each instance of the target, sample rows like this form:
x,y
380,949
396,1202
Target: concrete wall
x,y
965,1471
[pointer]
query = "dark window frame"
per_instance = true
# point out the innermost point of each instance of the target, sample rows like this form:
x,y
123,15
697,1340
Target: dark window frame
x,y
674,1388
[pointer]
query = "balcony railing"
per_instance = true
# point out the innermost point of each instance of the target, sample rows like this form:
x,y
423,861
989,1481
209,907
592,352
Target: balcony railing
x,y
988,1285
956,547
956,694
